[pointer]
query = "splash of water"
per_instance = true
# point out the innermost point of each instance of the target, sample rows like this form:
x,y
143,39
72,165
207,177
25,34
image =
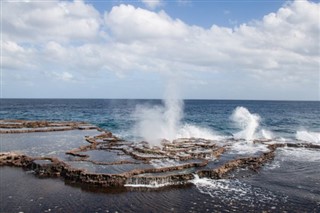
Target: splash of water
x,y
247,122
160,122
266,134
164,122
189,131
313,137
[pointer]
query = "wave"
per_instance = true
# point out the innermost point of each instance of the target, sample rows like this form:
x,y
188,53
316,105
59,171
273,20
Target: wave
x,y
164,122
312,137
189,131
249,123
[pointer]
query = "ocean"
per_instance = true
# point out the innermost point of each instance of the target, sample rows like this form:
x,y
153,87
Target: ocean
x,y
291,182
283,118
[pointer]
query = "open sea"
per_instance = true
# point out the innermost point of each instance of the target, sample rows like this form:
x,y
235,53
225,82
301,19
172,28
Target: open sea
x,y
291,182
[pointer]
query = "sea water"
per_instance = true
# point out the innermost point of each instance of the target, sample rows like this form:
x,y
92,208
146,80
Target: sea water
x,y
290,182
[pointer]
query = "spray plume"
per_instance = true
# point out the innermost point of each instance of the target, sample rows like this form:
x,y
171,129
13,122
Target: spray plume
x,y
160,122
164,122
247,122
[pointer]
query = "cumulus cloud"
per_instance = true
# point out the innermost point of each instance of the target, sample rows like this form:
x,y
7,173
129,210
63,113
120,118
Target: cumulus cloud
x,y
41,21
281,47
128,23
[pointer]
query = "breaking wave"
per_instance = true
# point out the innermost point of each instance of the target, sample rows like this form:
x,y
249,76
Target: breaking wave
x,y
312,137
189,131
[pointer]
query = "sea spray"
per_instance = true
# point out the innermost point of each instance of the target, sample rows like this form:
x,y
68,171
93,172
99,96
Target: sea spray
x,y
189,131
160,122
313,137
154,123
266,134
173,111
247,122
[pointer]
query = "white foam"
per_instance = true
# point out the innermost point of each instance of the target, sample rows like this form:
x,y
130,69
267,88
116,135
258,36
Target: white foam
x,y
312,137
189,131
160,163
230,190
273,165
298,154
243,148
152,185
266,134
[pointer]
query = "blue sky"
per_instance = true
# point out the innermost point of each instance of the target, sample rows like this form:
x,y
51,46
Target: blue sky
x,y
134,49
205,13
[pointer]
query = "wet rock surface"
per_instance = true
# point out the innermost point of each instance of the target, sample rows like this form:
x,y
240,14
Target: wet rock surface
x,y
22,126
175,162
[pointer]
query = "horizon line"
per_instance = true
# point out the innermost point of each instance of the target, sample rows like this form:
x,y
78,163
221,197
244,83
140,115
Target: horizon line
x,y
185,99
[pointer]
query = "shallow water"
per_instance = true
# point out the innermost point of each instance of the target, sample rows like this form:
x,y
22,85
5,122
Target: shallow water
x,y
45,143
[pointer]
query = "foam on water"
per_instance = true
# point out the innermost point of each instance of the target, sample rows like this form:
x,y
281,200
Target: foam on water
x,y
298,154
266,134
312,137
287,154
245,148
189,131
272,165
152,185
160,163
233,190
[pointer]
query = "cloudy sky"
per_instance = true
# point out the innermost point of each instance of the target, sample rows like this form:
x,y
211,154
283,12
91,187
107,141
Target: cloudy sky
x,y
132,49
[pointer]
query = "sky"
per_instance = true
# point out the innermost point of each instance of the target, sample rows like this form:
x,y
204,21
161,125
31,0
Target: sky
x,y
210,49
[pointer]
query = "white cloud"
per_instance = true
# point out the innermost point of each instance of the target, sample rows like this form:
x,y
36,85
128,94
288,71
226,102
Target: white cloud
x,y
17,57
152,4
41,21
72,36
128,23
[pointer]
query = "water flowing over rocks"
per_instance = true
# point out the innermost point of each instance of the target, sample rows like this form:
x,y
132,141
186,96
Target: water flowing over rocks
x,y
140,164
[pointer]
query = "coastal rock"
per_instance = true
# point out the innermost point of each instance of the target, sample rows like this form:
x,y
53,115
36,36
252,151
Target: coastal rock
x,y
178,161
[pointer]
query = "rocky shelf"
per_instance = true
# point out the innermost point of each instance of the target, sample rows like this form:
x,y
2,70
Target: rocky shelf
x,y
22,126
175,162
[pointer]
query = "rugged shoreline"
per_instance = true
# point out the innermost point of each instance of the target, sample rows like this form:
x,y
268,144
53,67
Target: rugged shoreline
x,y
190,153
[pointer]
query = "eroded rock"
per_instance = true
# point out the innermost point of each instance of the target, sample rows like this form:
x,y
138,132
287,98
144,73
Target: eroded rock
x,y
188,157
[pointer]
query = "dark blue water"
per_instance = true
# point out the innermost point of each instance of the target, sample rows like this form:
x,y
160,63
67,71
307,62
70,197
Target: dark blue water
x,y
283,118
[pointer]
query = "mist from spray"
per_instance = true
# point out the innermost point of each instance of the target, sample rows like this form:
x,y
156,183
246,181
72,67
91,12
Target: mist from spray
x,y
247,122
160,122
164,122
